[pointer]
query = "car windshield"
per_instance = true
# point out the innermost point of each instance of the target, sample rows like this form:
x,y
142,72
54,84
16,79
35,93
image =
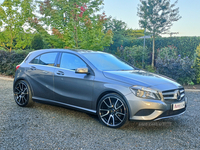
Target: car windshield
x,y
107,62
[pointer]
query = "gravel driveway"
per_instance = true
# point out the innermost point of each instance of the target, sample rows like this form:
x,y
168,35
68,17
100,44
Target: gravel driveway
x,y
49,127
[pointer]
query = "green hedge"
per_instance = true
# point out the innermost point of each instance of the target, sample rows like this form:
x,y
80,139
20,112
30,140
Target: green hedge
x,y
186,46
9,61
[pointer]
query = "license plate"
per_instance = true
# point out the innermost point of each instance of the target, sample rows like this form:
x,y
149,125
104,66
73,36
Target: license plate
x,y
178,106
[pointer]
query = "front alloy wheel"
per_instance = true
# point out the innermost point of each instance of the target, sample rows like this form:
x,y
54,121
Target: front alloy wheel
x,y
112,111
22,93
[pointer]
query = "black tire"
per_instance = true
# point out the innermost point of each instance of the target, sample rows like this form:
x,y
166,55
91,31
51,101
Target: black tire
x,y
22,94
112,110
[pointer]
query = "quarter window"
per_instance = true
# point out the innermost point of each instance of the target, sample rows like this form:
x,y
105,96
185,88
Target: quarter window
x,y
45,59
35,60
71,61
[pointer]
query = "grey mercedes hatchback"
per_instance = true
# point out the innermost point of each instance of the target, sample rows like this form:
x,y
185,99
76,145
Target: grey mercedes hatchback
x,y
98,83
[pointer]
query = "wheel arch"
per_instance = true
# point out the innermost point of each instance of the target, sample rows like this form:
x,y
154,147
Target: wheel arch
x,y
21,78
116,92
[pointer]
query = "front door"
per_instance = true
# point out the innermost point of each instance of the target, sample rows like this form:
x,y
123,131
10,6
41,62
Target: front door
x,y
70,87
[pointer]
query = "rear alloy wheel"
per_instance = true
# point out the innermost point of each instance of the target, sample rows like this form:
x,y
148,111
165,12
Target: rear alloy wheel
x,y
22,94
112,110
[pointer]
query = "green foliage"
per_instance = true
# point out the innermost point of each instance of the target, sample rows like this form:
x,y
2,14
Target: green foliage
x,y
175,67
150,68
186,46
76,24
133,55
197,64
157,17
191,83
169,52
9,61
13,21
37,42
121,34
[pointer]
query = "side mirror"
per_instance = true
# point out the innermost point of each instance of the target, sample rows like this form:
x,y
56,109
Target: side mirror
x,y
82,70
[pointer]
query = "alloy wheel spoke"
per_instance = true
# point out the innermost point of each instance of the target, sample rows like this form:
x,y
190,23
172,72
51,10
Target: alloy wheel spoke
x,y
20,87
16,93
119,106
113,120
110,102
17,89
118,118
20,99
120,113
24,99
116,103
24,90
105,114
106,104
109,120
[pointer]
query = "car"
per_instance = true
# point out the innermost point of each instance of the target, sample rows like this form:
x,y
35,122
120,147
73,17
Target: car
x,y
98,83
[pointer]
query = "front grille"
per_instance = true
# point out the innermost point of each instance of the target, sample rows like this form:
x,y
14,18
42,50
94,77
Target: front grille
x,y
177,94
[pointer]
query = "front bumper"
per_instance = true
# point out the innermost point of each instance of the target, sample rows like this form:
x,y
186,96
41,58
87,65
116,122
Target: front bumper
x,y
148,110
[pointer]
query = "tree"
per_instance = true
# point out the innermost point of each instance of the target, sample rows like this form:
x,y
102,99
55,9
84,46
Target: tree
x,y
37,42
13,16
197,64
118,28
157,17
76,23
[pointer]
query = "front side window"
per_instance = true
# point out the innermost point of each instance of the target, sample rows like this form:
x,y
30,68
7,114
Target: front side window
x,y
45,59
71,61
107,62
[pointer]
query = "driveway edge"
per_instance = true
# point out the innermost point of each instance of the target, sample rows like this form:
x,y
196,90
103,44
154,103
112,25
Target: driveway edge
x,y
5,78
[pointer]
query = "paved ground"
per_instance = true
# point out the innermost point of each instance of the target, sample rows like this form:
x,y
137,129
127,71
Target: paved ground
x,y
49,127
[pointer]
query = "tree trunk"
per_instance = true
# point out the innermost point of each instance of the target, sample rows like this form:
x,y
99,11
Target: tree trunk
x,y
152,63
11,42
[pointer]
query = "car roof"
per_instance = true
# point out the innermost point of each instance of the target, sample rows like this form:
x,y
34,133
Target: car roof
x,y
67,50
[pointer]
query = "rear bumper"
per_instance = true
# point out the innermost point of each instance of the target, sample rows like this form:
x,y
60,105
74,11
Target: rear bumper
x,y
152,110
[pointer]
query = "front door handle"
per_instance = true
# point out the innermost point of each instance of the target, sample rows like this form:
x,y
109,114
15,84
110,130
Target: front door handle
x,y
45,72
33,68
60,73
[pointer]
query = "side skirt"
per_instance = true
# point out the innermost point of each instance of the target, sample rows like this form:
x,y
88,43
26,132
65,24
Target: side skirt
x,y
52,102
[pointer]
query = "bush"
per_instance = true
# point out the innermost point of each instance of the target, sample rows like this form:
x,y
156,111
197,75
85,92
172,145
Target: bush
x,y
9,61
133,55
197,64
175,67
37,42
186,46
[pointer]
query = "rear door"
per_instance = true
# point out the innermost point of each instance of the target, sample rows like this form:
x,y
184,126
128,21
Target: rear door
x,y
70,87
40,72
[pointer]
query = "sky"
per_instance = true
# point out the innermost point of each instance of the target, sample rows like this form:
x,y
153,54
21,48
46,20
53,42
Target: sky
x,y
126,10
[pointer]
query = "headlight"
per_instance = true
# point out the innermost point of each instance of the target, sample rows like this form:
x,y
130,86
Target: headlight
x,y
144,92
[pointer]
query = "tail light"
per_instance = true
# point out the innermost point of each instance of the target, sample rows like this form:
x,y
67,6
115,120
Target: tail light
x,y
17,67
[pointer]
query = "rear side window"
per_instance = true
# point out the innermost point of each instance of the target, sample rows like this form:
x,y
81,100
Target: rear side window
x,y
36,60
45,59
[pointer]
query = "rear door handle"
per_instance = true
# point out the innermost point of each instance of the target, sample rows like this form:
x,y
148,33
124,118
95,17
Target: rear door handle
x,y
60,73
33,68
